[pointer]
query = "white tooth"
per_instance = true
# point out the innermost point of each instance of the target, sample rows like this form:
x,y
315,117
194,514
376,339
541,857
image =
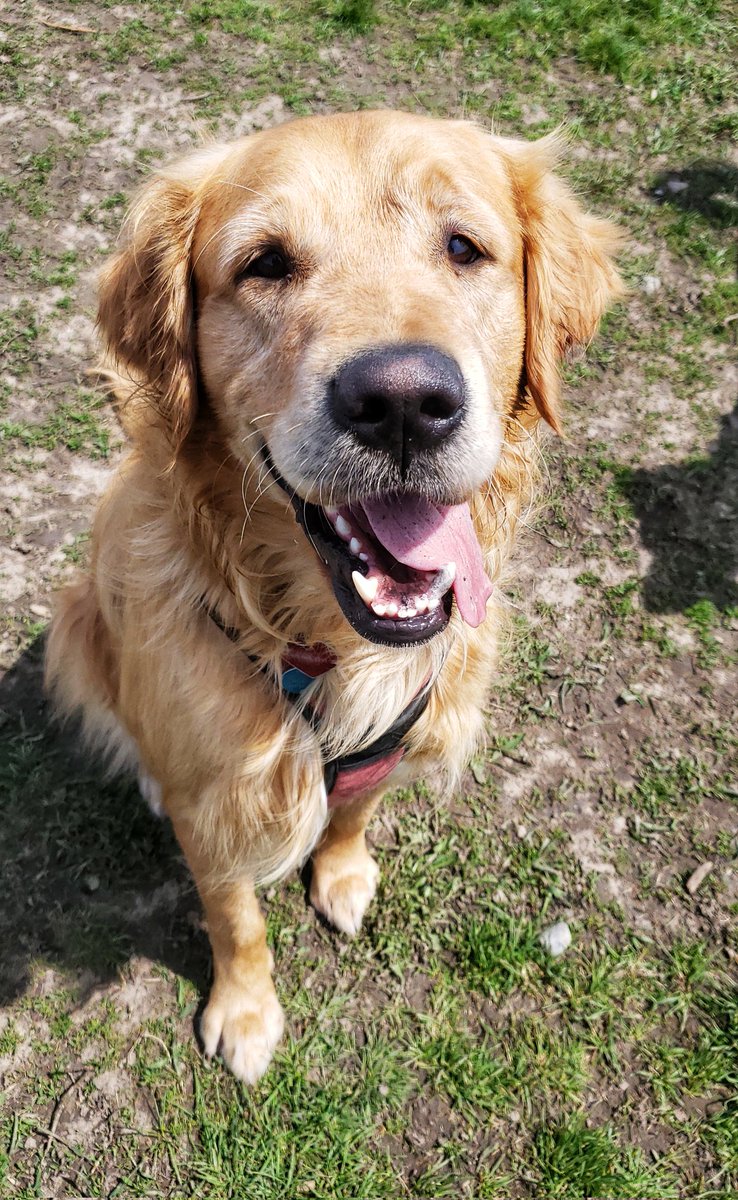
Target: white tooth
x,y
354,545
433,603
406,612
364,557
391,609
367,588
443,580
343,529
380,609
421,603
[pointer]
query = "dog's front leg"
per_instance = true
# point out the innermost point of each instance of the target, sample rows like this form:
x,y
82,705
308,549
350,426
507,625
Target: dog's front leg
x,y
243,1020
345,875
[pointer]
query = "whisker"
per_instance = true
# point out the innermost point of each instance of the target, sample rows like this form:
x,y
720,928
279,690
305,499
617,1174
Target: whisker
x,y
242,187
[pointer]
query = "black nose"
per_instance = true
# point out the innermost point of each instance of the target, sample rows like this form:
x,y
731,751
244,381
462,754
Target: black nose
x,y
402,399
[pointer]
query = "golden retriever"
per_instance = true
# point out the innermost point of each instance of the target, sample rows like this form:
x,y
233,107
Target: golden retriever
x,y
334,341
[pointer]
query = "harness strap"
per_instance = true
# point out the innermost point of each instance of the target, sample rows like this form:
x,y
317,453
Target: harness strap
x,y
349,775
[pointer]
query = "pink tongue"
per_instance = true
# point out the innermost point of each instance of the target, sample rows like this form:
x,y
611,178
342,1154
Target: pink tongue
x,y
426,537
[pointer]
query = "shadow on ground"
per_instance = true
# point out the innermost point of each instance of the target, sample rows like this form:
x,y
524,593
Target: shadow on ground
x,y
688,517
707,187
89,877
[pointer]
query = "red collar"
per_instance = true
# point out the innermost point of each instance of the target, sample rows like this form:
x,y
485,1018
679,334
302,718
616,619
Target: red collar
x,y
313,660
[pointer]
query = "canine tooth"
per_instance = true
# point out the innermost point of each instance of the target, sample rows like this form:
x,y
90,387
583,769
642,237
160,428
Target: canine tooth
x,y
380,609
354,545
441,583
367,588
343,529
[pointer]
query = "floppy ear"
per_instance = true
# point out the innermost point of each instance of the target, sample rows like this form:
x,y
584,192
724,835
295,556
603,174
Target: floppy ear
x,y
570,278
146,305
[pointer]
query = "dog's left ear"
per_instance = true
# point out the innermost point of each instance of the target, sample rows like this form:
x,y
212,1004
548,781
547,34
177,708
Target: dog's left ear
x,y
570,277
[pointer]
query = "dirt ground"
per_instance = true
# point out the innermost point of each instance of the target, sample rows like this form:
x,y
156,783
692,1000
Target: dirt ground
x,y
442,1053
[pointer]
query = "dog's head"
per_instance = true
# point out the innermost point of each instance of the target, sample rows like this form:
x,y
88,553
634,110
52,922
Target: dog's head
x,y
364,303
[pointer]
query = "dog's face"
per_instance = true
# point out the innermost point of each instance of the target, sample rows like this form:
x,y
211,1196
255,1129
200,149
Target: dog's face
x,y
366,301
363,278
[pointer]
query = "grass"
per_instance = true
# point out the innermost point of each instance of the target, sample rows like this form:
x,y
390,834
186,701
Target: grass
x,y
19,330
336,1103
74,425
576,1161
442,1053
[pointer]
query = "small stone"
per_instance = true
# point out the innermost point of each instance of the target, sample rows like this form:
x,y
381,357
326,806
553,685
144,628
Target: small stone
x,y
522,832
698,877
91,883
40,610
556,939
651,284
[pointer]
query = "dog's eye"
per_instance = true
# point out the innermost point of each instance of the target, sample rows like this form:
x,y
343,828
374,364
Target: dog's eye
x,y
272,264
461,250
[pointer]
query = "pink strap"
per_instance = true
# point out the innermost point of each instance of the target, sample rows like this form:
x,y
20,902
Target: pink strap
x,y
355,781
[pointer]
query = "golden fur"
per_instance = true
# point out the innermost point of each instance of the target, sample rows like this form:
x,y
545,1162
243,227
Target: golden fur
x,y
192,520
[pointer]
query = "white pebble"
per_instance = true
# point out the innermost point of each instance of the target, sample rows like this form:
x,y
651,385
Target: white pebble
x,y
556,939
651,284
698,877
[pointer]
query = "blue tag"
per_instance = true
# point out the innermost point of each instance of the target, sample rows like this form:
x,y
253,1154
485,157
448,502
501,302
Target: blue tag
x,y
295,681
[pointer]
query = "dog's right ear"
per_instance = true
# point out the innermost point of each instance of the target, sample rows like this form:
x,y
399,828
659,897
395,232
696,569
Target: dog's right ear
x,y
146,307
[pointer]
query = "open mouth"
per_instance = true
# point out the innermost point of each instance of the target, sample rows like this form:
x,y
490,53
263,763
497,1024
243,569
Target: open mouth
x,y
397,563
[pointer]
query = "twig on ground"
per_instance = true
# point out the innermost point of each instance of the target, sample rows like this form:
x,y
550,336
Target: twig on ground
x,y
64,27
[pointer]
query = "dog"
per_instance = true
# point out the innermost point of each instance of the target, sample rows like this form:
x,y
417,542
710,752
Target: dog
x,y
334,341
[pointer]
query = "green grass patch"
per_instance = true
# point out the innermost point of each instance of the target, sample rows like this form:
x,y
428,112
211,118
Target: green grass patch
x,y
74,425
575,1161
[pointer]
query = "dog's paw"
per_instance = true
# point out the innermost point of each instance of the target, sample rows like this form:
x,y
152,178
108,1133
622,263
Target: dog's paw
x,y
243,1028
342,888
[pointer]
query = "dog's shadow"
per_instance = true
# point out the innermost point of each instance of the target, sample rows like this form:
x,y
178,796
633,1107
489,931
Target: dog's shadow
x,y
707,186
688,516
89,877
